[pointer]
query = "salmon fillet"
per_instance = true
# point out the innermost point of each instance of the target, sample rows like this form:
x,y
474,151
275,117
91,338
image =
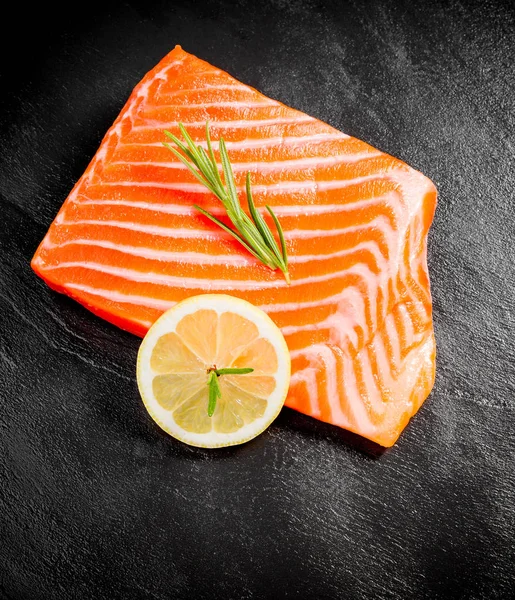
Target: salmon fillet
x,y
128,244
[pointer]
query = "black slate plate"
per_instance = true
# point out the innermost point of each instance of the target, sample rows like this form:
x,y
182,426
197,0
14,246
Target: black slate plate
x,y
95,501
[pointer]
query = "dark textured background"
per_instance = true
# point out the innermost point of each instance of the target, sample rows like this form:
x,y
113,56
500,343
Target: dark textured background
x,y
95,500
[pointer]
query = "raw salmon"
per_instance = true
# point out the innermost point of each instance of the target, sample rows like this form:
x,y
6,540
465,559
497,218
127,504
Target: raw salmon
x,y
128,244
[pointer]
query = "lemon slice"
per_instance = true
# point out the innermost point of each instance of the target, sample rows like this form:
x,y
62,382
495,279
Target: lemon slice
x,y
192,339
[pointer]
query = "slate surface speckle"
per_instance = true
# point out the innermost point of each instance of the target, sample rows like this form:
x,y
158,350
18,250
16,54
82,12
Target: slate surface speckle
x,y
95,500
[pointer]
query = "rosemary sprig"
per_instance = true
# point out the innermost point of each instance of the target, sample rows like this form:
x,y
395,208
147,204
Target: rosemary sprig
x,y
252,232
214,388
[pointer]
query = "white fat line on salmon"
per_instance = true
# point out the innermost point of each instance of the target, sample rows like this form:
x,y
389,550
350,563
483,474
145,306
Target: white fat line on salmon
x,y
187,233
343,327
141,89
407,324
278,165
296,210
199,258
196,74
359,409
327,356
360,404
408,321
161,304
261,142
239,124
381,223
144,324
387,365
204,284
206,87
119,297
339,416
221,104
282,186
331,387
308,377
373,398
393,336
411,277
416,282
295,306
170,232
417,266
417,305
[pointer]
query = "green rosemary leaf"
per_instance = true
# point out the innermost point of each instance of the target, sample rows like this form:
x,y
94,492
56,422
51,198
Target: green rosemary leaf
x,y
206,163
178,142
191,144
212,156
214,393
229,178
281,234
229,230
231,371
260,222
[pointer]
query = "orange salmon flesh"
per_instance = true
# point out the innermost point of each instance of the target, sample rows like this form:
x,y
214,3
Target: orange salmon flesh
x,y
128,244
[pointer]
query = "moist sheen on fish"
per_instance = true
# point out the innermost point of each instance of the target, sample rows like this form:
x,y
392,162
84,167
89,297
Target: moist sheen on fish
x,y
128,244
